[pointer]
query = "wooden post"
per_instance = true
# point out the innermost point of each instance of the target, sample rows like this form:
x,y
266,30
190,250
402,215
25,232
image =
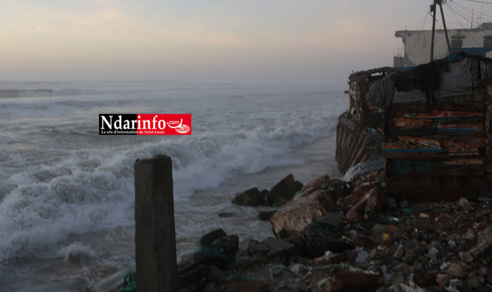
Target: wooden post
x,y
155,242
433,30
445,28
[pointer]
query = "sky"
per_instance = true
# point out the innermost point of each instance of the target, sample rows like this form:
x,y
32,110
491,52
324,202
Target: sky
x,y
219,41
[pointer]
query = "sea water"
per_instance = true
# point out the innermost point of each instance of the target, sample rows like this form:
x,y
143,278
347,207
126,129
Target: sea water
x,y
67,193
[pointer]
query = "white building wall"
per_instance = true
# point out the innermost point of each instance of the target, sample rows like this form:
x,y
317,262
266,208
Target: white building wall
x,y
417,44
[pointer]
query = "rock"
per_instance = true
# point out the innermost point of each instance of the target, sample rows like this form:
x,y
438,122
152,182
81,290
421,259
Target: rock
x,y
244,262
260,248
329,259
241,286
465,204
352,282
442,279
466,257
399,253
374,200
220,253
298,269
378,252
251,197
299,213
404,204
334,218
266,215
279,248
217,274
362,256
195,274
473,282
212,236
418,266
363,241
425,279
346,203
469,239
299,185
283,191
401,267
484,245
211,287
454,283
456,270
452,243
402,288
317,238
264,194
229,244
391,203
321,182
433,251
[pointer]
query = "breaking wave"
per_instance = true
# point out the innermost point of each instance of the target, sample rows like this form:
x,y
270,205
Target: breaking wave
x,y
91,188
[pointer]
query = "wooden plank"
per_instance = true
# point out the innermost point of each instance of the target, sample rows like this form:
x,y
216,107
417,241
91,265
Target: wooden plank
x,y
458,128
449,116
414,132
429,156
438,188
405,147
449,106
421,142
463,146
411,123
434,168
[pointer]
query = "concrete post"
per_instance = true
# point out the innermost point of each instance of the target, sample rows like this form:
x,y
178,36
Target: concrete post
x,y
155,242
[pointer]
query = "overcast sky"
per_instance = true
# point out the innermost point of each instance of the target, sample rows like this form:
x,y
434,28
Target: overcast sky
x,y
207,40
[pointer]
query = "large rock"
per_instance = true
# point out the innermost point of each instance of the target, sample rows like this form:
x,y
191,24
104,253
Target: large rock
x,y
300,212
348,281
209,238
252,197
279,248
242,286
484,246
217,248
345,203
319,237
321,182
283,191
374,200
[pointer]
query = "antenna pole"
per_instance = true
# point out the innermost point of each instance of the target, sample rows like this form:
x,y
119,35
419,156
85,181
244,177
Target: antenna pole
x,y
471,21
444,24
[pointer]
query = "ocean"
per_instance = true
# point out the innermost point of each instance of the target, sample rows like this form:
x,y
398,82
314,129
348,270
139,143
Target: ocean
x,y
67,193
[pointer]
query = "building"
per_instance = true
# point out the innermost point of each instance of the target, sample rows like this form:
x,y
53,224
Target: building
x,y
417,44
432,125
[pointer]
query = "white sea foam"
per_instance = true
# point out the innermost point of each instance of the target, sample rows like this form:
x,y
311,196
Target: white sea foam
x,y
62,179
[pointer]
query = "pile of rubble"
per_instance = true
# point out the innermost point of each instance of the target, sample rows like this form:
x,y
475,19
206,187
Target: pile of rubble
x,y
337,236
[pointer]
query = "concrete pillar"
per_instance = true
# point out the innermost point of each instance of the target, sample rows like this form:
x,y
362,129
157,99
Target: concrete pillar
x,y
155,241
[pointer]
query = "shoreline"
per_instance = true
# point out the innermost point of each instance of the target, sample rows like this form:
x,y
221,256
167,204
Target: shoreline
x,y
399,246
